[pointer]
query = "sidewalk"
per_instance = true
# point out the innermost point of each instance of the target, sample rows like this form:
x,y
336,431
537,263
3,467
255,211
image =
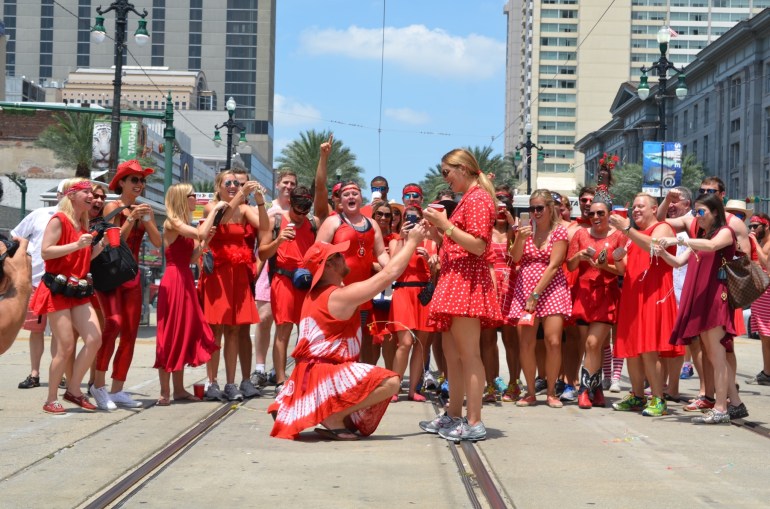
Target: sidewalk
x,y
540,457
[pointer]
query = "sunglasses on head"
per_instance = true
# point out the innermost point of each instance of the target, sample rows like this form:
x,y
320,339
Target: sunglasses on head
x,y
537,208
136,180
412,196
700,212
386,215
597,213
586,200
708,191
232,183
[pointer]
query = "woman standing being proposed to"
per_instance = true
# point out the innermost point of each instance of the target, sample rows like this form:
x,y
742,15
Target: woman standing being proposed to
x,y
465,300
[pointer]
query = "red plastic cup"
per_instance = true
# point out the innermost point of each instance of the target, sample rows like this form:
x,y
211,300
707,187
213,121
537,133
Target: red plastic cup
x,y
198,390
621,212
113,236
436,206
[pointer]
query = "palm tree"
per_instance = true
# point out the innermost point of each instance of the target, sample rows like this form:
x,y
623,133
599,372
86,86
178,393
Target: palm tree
x,y
628,179
203,186
71,140
301,156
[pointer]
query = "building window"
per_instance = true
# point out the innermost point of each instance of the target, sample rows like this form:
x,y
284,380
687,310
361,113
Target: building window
x,y
706,110
46,39
767,131
735,92
196,37
734,156
735,125
158,33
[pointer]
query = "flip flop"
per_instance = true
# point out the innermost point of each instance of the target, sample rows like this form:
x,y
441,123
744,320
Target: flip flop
x,y
335,434
163,402
187,398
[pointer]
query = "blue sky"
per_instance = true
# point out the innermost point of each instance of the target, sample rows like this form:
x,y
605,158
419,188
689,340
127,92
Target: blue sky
x,y
444,72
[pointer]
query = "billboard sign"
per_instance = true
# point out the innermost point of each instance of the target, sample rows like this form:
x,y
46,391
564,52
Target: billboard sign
x,y
661,167
129,141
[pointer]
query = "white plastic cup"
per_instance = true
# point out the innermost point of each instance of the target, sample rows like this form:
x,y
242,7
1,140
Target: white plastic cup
x,y
146,217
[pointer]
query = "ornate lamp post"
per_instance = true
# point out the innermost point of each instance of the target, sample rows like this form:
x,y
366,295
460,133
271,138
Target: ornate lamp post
x,y
230,125
528,146
661,67
98,34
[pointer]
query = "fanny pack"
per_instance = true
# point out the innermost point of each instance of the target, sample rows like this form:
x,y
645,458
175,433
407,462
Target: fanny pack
x,y
300,278
59,284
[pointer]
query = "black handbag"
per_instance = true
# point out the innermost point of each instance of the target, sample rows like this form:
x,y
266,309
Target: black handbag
x,y
426,294
115,265
208,262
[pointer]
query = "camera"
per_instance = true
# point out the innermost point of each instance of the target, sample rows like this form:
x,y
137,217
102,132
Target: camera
x,y
11,246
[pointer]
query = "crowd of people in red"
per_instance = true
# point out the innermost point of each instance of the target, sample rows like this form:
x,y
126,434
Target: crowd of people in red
x,y
403,282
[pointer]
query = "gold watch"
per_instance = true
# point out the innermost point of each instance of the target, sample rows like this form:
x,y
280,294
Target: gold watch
x,y
448,232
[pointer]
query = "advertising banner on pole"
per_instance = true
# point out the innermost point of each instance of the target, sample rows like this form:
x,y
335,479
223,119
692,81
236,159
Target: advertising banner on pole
x,y
129,141
661,167
201,199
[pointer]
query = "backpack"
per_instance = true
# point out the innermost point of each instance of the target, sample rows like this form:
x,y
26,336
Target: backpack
x,y
115,265
299,280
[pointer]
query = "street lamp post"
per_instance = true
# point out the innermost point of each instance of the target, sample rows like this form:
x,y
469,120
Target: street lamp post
x,y
661,67
528,146
98,34
230,125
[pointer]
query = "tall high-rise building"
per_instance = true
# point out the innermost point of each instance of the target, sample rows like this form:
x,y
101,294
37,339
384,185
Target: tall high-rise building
x,y
231,41
566,59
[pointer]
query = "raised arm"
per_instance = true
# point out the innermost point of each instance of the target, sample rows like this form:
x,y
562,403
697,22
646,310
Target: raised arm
x,y
321,198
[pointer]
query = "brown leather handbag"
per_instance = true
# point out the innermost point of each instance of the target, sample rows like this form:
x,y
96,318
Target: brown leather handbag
x,y
746,281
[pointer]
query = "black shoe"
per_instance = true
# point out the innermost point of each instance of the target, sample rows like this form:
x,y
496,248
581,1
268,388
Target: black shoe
x,y
30,382
540,386
737,412
63,383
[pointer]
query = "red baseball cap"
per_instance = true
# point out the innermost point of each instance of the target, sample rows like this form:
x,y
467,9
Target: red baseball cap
x,y
316,256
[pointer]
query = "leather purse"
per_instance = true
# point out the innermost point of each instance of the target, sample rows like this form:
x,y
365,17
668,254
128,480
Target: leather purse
x,y
746,281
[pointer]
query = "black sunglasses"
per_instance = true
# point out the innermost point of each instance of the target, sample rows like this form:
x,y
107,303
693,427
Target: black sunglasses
x,y
754,226
136,180
597,213
231,183
386,215
708,191
586,200
537,208
191,195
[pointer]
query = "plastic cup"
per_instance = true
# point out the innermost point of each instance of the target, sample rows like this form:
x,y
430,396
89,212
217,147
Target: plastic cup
x,y
113,236
436,206
146,217
621,212
198,390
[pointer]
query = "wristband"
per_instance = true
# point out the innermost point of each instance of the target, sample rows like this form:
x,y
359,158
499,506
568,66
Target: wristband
x,y
261,204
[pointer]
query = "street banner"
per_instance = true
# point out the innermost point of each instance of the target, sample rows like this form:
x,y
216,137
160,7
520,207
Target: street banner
x,y
201,199
661,167
129,141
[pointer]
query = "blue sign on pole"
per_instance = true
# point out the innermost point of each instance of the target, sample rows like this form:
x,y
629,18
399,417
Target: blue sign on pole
x,y
661,167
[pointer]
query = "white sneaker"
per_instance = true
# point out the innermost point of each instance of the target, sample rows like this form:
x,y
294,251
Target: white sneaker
x,y
123,400
615,386
102,398
606,383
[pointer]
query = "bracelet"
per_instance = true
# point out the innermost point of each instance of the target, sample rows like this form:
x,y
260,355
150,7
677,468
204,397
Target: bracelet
x,y
130,219
680,241
535,295
448,232
627,228
261,204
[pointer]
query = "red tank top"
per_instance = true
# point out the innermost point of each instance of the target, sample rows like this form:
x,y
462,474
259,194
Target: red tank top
x,y
290,254
360,255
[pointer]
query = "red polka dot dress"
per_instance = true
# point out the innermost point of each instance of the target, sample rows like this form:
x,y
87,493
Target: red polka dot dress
x,y
465,287
556,298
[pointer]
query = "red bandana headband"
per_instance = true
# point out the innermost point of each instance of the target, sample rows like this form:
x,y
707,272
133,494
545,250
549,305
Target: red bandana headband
x,y
413,189
351,184
761,220
80,186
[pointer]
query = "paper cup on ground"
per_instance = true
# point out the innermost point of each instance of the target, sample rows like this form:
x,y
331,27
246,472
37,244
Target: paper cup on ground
x,y
113,236
198,390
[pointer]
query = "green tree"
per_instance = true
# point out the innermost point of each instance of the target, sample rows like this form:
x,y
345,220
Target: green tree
x,y
302,155
203,186
71,140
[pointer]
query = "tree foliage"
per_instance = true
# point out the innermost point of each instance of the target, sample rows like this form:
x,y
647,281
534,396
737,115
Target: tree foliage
x,y
71,140
203,186
301,156
501,167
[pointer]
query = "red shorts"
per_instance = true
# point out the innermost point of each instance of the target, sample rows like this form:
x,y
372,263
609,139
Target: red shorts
x,y
285,300
34,322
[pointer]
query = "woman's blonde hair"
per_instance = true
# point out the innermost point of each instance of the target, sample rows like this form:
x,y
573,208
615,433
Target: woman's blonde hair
x,y
176,205
65,205
547,197
460,157
218,182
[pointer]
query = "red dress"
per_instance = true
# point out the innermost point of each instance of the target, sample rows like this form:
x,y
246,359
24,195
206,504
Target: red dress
x,y
465,287
703,305
360,255
77,263
505,275
556,298
406,311
184,338
595,293
326,378
227,295
647,304
378,321
285,300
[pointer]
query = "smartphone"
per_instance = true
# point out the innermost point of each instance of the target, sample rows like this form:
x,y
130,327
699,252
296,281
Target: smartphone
x,y
218,217
412,218
524,219
590,251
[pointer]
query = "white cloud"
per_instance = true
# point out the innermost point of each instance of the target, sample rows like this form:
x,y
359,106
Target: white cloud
x,y
407,115
416,48
291,113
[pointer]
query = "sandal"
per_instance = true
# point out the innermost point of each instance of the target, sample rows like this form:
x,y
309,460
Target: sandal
x,y
163,402
186,398
337,434
554,402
